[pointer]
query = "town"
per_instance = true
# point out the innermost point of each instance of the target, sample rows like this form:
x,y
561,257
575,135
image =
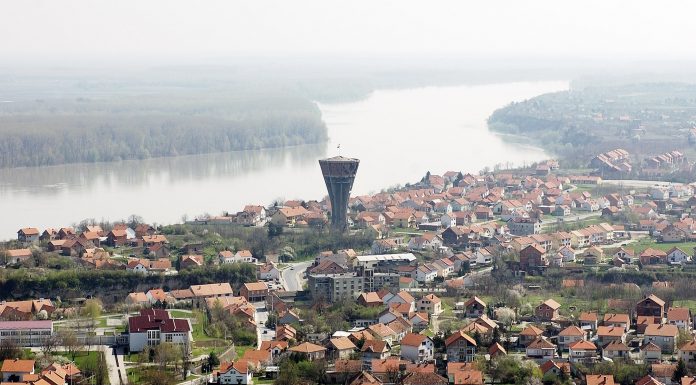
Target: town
x,y
527,276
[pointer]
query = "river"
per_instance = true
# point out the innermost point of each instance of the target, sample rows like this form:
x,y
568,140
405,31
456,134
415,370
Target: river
x,y
398,135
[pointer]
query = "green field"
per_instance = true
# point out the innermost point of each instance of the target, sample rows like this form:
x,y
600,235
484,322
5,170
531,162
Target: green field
x,y
83,359
645,243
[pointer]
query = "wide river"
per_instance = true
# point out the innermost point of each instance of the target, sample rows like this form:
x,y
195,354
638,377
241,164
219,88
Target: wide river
x,y
398,135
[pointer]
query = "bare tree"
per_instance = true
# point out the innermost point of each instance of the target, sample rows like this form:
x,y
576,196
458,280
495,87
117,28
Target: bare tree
x,y
49,345
70,342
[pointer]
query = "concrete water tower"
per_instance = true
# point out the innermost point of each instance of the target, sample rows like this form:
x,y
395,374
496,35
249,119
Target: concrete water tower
x,y
339,174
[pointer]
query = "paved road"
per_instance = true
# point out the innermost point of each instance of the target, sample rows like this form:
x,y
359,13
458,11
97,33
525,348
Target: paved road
x,y
292,279
262,332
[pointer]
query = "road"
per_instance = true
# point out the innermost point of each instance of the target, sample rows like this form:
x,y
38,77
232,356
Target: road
x,y
262,332
292,276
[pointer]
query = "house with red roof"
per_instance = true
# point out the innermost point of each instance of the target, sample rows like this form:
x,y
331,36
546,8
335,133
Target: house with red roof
x,y
237,372
417,348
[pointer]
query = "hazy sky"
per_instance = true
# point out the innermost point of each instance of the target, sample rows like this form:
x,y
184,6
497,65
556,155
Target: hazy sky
x,y
137,28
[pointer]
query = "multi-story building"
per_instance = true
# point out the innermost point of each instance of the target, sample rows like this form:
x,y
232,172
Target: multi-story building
x,y
254,291
26,333
153,327
460,347
417,348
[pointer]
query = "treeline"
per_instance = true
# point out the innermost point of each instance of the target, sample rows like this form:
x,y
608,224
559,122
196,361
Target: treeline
x,y
103,283
40,133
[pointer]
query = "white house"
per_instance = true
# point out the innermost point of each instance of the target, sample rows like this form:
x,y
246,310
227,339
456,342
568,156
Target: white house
x,y
400,297
417,348
448,220
235,373
430,304
677,256
568,254
269,272
425,274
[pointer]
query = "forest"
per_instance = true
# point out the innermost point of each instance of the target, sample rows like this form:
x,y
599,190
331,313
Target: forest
x,y
56,131
646,119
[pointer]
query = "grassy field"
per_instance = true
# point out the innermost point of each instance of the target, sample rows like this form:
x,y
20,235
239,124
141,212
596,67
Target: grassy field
x,y
180,314
83,359
645,243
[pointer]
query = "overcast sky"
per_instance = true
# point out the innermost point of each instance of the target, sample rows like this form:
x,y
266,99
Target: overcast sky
x,y
139,28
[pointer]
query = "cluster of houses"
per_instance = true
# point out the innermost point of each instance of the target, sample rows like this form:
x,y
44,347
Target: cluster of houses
x,y
16,371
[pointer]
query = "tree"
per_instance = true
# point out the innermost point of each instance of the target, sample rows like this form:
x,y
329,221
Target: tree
x,y
101,371
288,374
48,346
166,354
680,371
9,350
496,336
213,360
70,342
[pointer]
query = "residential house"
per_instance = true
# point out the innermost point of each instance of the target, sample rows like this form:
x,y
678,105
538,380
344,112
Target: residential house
x,y
570,335
664,336
681,317
677,256
341,348
541,349
650,353
588,321
460,347
687,352
417,348
374,350
582,351
600,379
237,372
268,272
16,256
547,310
309,351
618,320
28,235
474,307
430,304
529,334
533,258
16,370
607,334
616,350
254,291
651,306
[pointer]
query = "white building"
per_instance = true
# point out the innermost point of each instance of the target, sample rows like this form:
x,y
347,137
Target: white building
x,y
417,348
234,373
153,327
26,333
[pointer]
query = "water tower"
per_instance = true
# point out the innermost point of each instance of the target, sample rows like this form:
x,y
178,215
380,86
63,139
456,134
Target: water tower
x,y
339,174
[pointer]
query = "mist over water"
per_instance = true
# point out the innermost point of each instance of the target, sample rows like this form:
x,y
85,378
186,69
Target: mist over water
x,y
397,134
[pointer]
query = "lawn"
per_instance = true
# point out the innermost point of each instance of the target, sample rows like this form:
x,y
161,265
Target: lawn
x,y
240,349
83,359
645,243
180,314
